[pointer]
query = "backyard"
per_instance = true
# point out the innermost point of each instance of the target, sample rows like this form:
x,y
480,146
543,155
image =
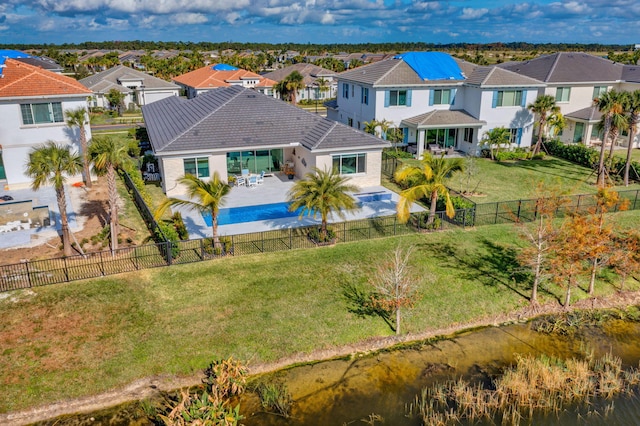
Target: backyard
x,y
85,337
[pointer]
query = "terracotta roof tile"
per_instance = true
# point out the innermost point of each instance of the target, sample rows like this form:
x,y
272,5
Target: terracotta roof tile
x,y
20,79
207,77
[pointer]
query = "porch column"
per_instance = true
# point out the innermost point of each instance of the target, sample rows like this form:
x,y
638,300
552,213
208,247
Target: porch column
x,y
420,143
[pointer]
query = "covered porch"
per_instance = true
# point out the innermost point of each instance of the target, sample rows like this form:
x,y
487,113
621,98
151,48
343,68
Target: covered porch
x,y
442,132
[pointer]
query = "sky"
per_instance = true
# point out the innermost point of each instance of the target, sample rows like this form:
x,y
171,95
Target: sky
x,y
320,21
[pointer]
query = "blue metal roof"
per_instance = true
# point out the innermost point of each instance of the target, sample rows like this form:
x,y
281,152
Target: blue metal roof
x,y
223,67
433,65
13,54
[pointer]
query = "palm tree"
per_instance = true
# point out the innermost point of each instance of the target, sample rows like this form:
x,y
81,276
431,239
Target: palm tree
x,y
50,164
290,86
371,127
324,192
609,103
205,197
543,106
496,137
427,180
633,108
556,123
108,155
78,118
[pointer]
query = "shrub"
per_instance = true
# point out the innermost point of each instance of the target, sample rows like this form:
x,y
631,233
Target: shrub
x,y
316,236
393,153
421,221
180,227
511,155
275,397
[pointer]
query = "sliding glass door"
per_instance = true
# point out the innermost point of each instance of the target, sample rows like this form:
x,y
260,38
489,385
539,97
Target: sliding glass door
x,y
267,160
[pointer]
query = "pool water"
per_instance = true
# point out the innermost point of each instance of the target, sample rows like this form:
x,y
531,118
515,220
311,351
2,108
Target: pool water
x,y
252,213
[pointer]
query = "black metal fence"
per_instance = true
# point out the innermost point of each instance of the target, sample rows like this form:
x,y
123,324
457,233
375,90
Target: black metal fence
x,y
78,267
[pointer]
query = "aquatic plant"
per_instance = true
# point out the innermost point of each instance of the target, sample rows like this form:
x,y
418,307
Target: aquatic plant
x,y
534,385
275,397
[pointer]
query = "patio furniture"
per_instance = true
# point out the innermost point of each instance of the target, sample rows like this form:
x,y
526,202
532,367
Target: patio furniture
x,y
435,149
253,181
245,173
260,178
240,181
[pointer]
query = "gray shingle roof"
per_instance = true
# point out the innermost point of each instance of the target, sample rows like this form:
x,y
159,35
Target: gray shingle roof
x,y
234,117
494,76
586,114
569,67
112,75
631,73
451,118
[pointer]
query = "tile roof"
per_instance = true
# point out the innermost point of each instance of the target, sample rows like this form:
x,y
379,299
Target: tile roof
x,y
451,118
109,79
586,114
22,80
569,67
631,73
208,78
494,76
234,118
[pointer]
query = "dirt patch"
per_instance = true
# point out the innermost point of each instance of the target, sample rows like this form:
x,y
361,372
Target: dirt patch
x,y
91,207
149,387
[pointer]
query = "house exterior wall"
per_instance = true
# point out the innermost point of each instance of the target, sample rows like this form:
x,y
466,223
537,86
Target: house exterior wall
x,y
513,117
373,168
146,97
17,139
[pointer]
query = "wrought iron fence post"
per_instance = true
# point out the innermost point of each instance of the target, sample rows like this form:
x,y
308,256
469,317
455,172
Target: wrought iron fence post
x,y
519,206
101,264
495,220
169,254
66,270
636,199
26,264
290,238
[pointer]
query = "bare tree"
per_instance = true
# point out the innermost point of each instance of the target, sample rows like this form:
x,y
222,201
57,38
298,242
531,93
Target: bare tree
x,y
395,284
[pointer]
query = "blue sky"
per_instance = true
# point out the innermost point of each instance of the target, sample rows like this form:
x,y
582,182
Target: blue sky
x,y
321,21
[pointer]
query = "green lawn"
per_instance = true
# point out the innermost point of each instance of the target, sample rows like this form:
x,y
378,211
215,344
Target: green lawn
x,y
635,154
76,339
505,181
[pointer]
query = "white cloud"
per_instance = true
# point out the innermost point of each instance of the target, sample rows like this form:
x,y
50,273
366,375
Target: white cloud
x,y
468,13
190,18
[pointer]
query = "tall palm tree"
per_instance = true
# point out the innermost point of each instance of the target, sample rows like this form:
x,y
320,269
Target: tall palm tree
x,y
323,85
78,118
324,192
290,86
108,155
633,108
427,180
609,103
543,107
50,164
204,196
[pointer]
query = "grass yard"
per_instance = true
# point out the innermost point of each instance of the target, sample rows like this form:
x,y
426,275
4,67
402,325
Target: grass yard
x,y
514,180
622,153
85,337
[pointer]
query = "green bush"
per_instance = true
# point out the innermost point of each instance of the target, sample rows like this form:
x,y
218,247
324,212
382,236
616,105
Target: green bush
x,y
171,235
316,236
421,221
511,155
180,227
393,153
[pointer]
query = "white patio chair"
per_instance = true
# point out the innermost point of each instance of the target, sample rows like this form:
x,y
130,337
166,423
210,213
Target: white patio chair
x,y
260,179
241,181
253,181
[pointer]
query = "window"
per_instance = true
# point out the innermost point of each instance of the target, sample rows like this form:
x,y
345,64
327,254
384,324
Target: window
x,y
397,97
599,91
515,136
508,98
468,135
441,97
42,113
353,90
364,98
197,167
350,122
345,90
562,94
348,164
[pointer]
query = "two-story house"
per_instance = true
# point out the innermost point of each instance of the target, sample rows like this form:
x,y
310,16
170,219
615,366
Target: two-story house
x,y
32,106
222,75
575,80
433,98
320,83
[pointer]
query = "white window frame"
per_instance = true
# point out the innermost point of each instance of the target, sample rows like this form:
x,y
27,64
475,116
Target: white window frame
x,y
560,94
517,98
361,162
198,174
55,113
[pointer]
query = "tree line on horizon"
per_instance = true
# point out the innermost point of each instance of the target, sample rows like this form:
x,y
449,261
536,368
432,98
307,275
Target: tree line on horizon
x,y
320,48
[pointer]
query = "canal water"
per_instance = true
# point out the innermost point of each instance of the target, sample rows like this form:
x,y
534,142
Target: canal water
x,y
348,391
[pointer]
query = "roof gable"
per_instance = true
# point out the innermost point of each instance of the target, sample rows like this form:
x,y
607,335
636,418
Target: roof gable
x,y
569,67
209,77
495,77
120,72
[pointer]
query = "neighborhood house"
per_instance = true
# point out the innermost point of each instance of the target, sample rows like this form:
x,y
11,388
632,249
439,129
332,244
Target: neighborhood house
x,y
233,129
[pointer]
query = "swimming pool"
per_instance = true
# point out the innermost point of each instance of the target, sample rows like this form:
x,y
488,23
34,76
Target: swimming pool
x,y
252,213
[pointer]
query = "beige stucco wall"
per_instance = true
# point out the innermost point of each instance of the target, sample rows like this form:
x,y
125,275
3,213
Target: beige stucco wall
x,y
373,174
172,169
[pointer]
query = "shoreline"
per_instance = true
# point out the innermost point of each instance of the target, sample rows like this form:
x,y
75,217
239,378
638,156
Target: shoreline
x,y
150,386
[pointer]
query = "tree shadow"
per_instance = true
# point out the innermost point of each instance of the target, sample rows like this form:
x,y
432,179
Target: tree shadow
x,y
496,266
94,209
359,302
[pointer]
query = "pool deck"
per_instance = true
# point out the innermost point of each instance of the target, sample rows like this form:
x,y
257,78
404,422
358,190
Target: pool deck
x,y
274,190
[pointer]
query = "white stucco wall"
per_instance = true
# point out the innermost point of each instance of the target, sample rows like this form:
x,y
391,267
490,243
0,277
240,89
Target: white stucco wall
x,y
17,139
373,168
155,95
